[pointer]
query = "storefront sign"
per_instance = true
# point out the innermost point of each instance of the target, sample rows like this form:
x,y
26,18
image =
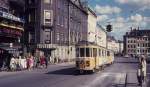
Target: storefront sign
x,y
10,32
10,16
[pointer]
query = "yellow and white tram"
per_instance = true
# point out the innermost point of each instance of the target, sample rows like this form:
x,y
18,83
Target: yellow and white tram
x,y
91,57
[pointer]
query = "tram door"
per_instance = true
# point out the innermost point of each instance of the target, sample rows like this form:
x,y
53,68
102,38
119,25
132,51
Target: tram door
x,y
95,56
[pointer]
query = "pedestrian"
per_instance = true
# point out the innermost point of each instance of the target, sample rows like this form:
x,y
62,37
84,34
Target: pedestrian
x,y
46,61
141,73
29,62
20,63
12,64
55,60
42,61
143,61
50,59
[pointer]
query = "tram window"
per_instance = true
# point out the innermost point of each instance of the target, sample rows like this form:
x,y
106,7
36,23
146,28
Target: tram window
x,y
91,52
87,52
94,52
77,52
102,53
108,53
99,52
82,52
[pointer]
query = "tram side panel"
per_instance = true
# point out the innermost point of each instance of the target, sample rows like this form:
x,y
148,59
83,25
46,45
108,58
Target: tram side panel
x,y
110,56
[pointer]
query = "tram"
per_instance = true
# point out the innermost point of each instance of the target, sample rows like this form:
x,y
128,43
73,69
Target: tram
x,y
91,57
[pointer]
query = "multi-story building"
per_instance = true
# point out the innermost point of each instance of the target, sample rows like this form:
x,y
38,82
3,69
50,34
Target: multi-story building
x,y
11,29
120,47
95,32
113,44
91,30
101,36
55,26
136,42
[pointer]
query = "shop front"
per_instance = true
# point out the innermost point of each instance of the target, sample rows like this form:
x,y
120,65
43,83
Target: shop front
x,y
11,33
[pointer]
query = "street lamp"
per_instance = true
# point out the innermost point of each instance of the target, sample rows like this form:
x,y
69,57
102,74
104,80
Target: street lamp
x,y
68,30
108,29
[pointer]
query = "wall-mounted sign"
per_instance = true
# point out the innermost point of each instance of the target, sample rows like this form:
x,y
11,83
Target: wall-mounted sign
x,y
10,16
10,32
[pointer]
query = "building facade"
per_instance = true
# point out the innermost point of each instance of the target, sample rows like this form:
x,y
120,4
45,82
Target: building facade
x,y
113,44
120,47
11,30
101,36
136,42
95,32
91,31
55,26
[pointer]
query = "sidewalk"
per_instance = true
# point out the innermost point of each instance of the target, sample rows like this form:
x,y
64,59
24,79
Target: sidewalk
x,y
3,73
131,80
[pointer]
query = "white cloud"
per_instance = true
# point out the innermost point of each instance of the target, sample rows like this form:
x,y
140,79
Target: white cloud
x,y
101,18
137,18
134,2
121,25
107,9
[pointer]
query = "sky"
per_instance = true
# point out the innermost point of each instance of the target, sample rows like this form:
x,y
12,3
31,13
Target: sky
x,y
122,14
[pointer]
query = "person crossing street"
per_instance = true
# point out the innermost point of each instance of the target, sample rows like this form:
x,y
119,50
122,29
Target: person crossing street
x,y
141,73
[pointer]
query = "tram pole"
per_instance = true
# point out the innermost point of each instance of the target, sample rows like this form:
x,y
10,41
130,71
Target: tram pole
x,y
68,31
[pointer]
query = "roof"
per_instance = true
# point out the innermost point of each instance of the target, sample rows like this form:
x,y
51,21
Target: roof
x,y
92,11
79,5
136,33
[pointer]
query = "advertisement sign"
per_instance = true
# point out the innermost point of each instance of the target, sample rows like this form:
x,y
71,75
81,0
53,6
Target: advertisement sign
x,y
10,32
10,16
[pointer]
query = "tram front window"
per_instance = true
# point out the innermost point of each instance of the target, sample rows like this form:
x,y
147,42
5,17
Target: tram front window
x,y
77,52
82,52
87,52
108,53
94,52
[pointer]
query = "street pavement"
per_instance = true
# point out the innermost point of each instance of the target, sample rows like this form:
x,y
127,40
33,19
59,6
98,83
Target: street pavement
x,y
121,74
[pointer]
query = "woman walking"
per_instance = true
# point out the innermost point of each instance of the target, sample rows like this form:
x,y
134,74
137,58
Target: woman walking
x,y
141,70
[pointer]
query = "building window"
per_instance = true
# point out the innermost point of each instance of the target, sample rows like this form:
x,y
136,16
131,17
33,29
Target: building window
x,y
47,36
128,46
57,38
66,22
48,16
48,1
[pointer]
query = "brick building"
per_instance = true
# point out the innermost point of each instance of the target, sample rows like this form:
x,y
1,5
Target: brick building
x,y
54,26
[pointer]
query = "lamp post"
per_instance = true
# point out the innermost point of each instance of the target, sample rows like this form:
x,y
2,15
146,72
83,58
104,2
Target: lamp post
x,y
108,29
69,31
